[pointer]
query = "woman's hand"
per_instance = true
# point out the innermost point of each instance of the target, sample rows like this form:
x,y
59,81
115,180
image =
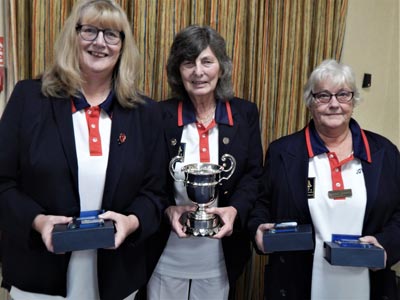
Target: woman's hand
x,y
124,225
227,216
44,225
260,235
176,214
372,240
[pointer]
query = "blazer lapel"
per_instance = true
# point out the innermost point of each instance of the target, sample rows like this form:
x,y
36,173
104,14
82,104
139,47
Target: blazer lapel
x,y
296,165
371,173
226,135
173,134
119,132
63,116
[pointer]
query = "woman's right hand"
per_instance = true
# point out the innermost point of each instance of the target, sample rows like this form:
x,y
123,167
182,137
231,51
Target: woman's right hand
x,y
260,235
175,215
44,225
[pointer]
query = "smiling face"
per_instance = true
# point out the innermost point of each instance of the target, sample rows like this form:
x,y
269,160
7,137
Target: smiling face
x,y
97,57
333,115
200,76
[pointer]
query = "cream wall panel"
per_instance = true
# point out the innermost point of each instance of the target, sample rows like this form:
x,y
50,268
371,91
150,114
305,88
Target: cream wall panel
x,y
371,45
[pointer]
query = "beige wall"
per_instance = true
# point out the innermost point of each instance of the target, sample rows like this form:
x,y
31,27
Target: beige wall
x,y
371,45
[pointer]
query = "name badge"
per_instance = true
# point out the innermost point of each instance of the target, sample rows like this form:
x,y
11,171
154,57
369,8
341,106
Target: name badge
x,y
311,187
340,194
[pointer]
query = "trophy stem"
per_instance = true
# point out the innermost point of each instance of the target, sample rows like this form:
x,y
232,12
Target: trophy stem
x,y
200,223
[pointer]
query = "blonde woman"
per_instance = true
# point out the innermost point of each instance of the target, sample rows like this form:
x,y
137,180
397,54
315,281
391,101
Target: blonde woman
x,y
81,138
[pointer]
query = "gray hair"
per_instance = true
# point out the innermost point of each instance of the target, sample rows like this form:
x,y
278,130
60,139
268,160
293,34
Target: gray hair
x,y
335,72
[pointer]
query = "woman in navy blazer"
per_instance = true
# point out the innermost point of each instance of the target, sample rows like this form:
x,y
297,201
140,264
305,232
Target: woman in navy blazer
x,y
203,122
339,178
81,138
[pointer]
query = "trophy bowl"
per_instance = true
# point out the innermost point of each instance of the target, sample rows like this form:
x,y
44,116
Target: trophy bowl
x,y
201,181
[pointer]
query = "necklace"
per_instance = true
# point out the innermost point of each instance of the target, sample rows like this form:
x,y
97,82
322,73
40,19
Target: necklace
x,y
207,118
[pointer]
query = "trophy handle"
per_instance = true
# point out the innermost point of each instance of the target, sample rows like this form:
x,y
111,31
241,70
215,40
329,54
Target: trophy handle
x,y
231,168
172,165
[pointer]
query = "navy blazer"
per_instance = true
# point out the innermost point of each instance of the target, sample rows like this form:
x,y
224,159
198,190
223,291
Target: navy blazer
x,y
288,274
243,142
39,175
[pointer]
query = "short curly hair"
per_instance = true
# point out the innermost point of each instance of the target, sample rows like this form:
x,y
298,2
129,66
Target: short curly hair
x,y
335,72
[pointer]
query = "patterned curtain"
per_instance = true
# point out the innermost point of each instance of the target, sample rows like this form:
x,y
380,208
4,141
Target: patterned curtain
x,y
274,45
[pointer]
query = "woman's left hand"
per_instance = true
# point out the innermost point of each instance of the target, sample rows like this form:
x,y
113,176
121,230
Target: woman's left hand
x,y
124,225
372,240
227,216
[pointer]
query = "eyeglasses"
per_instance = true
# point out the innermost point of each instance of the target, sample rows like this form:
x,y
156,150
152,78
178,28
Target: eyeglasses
x,y
89,33
325,97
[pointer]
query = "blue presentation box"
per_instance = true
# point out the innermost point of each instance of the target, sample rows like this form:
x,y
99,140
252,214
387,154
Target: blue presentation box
x,y
297,239
85,232
346,250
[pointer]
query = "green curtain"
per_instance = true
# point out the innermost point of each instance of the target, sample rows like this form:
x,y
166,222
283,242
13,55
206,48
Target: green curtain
x,y
274,45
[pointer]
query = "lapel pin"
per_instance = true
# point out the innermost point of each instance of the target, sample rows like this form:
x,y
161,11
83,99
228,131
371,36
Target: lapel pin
x,y
121,138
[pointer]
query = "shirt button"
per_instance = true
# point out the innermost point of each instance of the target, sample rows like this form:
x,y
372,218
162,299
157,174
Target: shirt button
x,y
330,155
93,125
89,111
337,170
94,140
338,184
204,149
203,136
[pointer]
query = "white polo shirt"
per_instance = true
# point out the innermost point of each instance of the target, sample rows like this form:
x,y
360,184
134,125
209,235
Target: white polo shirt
x,y
337,215
195,257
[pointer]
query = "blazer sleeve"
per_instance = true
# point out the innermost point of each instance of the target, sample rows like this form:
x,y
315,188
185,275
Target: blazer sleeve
x,y
151,200
17,209
260,213
245,189
389,236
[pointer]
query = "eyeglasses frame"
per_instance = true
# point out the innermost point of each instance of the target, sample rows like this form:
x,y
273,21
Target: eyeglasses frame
x,y
331,96
78,28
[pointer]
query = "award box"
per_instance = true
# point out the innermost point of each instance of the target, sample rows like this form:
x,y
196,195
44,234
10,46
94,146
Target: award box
x,y
347,250
294,239
85,232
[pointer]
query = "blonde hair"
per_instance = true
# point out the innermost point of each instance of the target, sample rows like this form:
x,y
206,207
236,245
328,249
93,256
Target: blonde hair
x,y
64,79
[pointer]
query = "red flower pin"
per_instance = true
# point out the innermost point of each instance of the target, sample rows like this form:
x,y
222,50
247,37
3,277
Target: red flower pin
x,y
121,138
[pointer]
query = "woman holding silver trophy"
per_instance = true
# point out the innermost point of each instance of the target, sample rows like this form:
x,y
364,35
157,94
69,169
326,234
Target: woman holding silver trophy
x,y
215,157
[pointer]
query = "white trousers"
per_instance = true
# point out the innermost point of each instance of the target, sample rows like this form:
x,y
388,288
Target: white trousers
x,y
161,287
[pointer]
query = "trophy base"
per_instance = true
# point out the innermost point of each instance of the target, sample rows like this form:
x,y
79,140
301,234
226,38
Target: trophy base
x,y
202,227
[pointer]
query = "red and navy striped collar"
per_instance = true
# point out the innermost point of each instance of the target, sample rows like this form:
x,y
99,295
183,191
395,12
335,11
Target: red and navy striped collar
x,y
187,113
80,102
316,146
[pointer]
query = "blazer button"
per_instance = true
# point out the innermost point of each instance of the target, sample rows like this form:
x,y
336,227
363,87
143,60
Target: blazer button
x,y
282,259
226,192
173,142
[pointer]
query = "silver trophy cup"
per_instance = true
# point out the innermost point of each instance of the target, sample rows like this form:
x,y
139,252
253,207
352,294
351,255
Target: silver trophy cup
x,y
201,180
